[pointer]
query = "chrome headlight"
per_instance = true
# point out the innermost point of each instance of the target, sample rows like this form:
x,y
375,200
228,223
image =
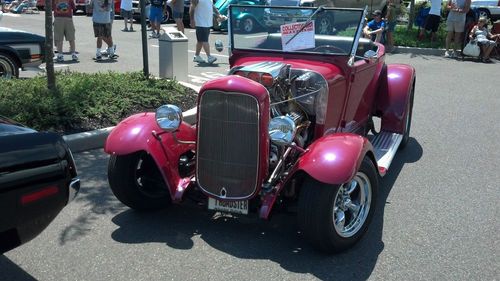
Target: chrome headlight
x,y
282,130
169,117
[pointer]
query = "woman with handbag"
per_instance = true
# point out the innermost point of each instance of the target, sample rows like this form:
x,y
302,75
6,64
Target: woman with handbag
x,y
484,38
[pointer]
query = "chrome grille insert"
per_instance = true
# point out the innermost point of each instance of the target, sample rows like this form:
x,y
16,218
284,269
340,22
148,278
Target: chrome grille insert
x,y
228,144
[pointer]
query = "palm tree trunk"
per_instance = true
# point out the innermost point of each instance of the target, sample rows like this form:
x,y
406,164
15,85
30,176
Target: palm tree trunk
x,y
49,47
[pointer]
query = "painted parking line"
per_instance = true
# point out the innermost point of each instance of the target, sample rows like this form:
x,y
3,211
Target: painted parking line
x,y
256,36
11,15
191,51
205,76
56,66
215,55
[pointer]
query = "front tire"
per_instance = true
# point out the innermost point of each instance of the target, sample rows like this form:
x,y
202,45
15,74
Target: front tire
x,y
8,67
334,217
136,181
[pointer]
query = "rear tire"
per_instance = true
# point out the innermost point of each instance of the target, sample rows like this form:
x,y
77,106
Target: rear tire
x,y
324,25
408,116
484,13
136,181
334,217
248,25
8,67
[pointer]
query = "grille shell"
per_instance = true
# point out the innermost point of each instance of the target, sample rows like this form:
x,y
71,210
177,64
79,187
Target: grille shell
x,y
228,144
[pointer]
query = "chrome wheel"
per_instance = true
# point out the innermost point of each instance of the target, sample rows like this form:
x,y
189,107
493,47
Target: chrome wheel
x,y
324,25
248,25
484,13
352,205
334,217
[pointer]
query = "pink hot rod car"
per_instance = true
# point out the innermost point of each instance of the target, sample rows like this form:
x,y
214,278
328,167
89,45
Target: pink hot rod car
x,y
292,124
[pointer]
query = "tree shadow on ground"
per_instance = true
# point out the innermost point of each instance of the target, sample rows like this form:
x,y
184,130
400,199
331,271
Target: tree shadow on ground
x,y
95,198
278,240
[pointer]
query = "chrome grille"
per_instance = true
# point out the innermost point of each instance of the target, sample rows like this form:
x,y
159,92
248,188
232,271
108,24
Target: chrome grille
x,y
228,144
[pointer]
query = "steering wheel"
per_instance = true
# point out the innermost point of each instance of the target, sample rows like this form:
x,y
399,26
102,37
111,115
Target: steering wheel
x,y
329,49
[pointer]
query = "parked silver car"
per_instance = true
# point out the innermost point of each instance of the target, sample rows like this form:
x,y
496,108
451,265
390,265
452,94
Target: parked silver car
x,y
273,18
487,8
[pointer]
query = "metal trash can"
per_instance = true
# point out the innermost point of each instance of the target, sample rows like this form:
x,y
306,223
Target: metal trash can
x,y
173,54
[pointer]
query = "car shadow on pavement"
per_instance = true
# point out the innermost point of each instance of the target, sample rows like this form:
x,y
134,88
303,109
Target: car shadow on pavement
x,y
12,272
278,240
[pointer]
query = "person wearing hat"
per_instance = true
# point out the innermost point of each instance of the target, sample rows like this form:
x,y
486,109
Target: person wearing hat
x,y
375,28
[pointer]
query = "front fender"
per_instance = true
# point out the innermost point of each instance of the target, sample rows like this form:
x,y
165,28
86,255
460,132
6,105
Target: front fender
x,y
136,134
335,158
394,94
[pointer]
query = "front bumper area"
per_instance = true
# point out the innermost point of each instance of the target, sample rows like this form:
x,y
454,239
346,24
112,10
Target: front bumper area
x,y
74,188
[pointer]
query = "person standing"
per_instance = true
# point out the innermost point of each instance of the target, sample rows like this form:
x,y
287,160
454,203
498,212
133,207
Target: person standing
x,y
156,12
64,27
101,18
201,14
432,21
455,25
178,13
391,17
126,13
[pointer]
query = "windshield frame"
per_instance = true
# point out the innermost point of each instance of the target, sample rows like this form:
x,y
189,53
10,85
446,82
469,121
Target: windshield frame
x,y
355,38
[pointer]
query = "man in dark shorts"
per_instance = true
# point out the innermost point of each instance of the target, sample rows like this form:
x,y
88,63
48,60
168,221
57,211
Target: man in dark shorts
x,y
126,13
101,18
178,13
201,14
432,21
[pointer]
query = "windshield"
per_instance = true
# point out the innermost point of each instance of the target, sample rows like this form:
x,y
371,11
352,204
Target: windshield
x,y
329,31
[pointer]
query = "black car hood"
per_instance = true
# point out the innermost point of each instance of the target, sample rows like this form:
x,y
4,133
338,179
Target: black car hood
x,y
10,36
9,127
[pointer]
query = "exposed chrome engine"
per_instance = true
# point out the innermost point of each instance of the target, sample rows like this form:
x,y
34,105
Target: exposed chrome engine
x,y
295,93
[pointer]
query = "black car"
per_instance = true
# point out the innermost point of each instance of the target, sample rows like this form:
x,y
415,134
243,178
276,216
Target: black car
x,y
19,49
38,178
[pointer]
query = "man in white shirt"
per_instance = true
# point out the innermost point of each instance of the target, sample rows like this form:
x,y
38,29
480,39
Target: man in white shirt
x,y
201,14
126,13
432,21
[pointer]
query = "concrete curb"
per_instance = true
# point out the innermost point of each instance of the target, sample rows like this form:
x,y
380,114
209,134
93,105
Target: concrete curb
x,y
87,140
419,51
95,139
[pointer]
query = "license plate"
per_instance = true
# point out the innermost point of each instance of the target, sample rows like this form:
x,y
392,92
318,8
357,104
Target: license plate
x,y
238,207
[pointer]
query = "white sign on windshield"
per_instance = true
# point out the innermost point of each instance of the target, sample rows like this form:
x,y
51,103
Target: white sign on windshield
x,y
303,40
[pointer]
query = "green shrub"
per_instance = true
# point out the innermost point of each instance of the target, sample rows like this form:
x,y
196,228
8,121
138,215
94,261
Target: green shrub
x,y
84,101
409,38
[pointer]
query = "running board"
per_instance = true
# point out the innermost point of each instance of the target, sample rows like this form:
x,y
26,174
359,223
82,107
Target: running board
x,y
386,145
